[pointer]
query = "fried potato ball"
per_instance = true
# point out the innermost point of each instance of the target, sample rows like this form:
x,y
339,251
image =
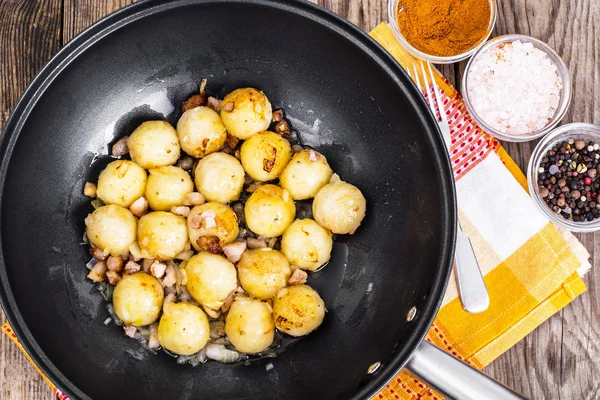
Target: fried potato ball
x,y
339,207
162,235
245,112
122,182
112,229
249,325
154,144
263,272
183,328
298,310
307,244
265,155
138,299
220,177
211,278
210,220
269,211
305,174
201,131
167,186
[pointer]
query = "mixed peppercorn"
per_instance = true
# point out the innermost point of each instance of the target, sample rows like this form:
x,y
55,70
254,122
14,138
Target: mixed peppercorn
x,y
568,180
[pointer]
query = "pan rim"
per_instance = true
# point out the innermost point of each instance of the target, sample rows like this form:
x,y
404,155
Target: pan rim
x,y
339,25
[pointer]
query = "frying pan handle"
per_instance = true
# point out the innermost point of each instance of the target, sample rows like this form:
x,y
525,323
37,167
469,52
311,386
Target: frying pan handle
x,y
454,378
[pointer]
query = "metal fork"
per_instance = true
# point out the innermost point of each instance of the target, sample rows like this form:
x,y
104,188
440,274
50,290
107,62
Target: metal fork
x,y
471,287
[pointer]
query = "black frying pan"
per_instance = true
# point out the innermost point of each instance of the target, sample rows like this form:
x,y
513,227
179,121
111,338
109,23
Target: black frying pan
x,y
346,96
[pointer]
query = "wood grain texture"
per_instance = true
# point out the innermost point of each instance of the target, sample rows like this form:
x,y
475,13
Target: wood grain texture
x,y
30,34
79,14
559,360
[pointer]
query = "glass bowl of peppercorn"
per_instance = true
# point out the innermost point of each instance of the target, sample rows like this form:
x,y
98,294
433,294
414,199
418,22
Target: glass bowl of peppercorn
x,y
442,31
564,177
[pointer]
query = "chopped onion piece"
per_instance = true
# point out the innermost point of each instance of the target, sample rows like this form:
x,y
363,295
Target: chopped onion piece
x,y
170,278
234,251
180,210
220,353
135,251
153,343
158,269
185,255
130,331
139,207
89,190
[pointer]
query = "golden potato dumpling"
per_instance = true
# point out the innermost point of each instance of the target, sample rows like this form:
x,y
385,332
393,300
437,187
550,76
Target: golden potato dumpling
x,y
212,219
220,177
339,207
307,244
112,229
122,182
245,112
269,211
183,328
249,325
305,174
211,278
162,235
263,272
167,186
154,144
201,132
265,155
138,299
298,310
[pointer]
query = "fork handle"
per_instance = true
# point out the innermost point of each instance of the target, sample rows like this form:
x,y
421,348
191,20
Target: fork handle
x,y
471,286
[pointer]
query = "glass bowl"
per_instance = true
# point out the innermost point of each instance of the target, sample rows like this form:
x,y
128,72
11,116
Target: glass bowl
x,y
565,96
393,21
587,132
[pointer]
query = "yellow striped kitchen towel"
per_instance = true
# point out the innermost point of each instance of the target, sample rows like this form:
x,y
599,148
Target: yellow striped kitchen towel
x,y
532,269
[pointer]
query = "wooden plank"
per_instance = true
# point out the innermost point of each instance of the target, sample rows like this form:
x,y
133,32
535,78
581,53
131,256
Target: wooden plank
x,y
79,14
578,42
30,34
561,359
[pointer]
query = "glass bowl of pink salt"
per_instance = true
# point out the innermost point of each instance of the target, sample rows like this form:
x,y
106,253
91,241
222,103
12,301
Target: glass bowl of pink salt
x,y
516,88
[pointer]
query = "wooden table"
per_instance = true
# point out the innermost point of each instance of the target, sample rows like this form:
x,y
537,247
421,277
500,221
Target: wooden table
x,y
561,359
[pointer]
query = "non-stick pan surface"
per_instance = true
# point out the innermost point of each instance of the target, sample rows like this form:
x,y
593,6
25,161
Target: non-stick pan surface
x,y
345,95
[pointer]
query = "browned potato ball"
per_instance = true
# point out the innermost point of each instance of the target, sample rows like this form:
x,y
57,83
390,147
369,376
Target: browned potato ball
x,y
265,155
154,144
137,299
263,272
269,211
183,328
212,219
211,278
167,187
249,325
201,132
162,235
298,310
245,112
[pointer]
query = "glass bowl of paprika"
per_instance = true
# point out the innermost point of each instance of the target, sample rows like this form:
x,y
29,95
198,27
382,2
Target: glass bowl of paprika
x,y
442,31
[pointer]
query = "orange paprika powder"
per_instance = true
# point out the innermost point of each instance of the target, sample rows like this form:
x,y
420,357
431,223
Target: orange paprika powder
x,y
444,27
